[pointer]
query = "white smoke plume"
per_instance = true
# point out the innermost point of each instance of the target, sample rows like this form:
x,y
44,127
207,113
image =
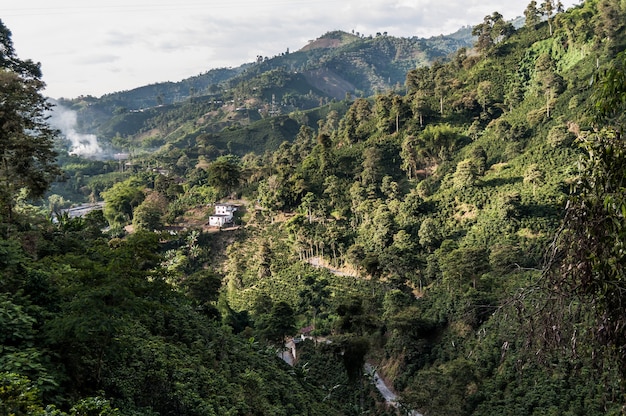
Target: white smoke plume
x,y
85,145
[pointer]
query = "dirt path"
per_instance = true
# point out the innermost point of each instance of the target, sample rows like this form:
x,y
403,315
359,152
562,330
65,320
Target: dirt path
x,y
321,263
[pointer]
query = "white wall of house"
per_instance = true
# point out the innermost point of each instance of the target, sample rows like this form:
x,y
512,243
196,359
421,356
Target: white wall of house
x,y
219,220
224,209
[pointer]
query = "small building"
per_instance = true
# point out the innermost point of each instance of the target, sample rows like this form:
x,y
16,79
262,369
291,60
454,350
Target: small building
x,y
219,220
225,209
223,215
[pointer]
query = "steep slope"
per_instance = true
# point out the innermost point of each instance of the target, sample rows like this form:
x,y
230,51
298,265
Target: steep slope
x,y
440,198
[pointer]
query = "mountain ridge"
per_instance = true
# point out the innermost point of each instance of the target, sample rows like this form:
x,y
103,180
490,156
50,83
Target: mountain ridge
x,y
175,91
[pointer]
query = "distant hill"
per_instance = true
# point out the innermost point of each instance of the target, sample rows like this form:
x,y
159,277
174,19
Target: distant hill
x,y
331,67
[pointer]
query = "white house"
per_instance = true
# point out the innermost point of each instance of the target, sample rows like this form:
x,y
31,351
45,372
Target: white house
x,y
220,220
225,209
223,215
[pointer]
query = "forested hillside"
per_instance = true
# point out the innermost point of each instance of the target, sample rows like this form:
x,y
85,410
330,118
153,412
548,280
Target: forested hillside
x,y
462,232
336,65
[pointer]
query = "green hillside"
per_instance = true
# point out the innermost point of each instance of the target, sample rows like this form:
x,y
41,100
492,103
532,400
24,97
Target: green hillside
x,y
463,232
330,68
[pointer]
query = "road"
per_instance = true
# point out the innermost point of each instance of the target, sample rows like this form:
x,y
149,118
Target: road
x,y
83,209
389,396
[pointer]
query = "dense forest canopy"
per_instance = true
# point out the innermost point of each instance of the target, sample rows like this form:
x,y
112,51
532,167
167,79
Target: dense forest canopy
x,y
462,232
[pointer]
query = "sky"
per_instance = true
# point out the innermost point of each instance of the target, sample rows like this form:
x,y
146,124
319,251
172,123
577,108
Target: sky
x,y
97,47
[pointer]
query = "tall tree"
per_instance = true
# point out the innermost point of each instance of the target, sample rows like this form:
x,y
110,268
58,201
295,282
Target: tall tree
x,y
353,126
280,323
532,14
548,81
482,32
547,8
465,174
420,87
27,158
533,175
442,83
493,30
610,19
501,29
121,199
410,156
224,174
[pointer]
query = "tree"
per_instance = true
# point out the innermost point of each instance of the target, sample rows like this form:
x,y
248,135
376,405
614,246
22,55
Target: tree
x,y
224,174
120,201
94,406
372,168
420,86
484,93
482,31
324,147
410,156
18,396
548,81
610,19
547,9
493,30
315,296
532,15
464,265
280,323
27,158
560,136
334,190
203,287
609,94
501,29
382,113
515,93
149,214
304,141
465,174
479,160
442,83
429,234
588,261
533,175
437,142
353,126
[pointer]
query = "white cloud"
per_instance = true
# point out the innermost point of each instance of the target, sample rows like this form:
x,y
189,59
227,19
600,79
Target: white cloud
x,y
101,47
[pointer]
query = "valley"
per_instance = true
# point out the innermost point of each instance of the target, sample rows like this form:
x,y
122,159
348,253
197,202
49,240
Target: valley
x,y
447,214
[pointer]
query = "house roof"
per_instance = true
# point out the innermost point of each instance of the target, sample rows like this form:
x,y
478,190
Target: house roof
x,y
306,329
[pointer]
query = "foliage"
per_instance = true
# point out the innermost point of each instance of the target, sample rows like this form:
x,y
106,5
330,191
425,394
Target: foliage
x,y
405,229
26,141
149,214
121,199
